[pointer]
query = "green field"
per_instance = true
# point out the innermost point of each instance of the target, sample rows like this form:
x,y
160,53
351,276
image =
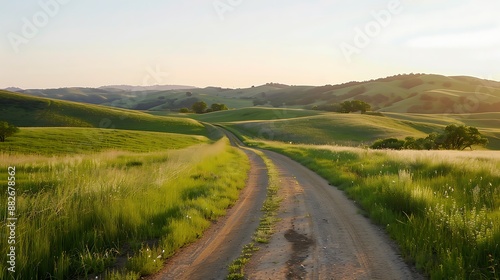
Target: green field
x,y
332,128
442,207
313,127
101,187
26,111
40,140
251,114
80,214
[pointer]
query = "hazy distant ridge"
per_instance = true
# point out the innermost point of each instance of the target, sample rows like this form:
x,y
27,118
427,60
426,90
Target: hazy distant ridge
x,y
147,88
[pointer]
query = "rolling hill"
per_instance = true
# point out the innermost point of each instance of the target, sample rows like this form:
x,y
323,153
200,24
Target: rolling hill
x,y
413,93
257,113
313,127
28,111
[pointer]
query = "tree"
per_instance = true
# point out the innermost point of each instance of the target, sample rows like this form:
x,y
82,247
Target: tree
x,y
189,94
199,107
218,107
459,137
354,106
454,137
184,110
7,130
389,143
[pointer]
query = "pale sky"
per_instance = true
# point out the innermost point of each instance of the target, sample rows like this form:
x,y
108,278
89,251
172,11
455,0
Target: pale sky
x,y
240,43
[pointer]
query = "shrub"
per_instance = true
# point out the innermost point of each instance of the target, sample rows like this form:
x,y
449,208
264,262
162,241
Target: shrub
x,y
389,143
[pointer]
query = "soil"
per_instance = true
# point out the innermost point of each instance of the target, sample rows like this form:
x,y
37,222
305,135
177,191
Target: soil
x,y
320,235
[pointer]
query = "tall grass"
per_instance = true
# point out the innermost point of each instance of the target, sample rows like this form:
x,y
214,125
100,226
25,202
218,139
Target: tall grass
x,y
79,214
442,207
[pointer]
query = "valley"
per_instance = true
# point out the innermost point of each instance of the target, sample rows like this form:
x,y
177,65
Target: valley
x,y
116,184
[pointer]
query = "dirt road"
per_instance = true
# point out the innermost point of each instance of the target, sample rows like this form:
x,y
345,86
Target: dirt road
x,y
209,257
321,235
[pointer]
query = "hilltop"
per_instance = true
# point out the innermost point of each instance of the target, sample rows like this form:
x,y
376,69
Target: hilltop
x,y
28,111
412,93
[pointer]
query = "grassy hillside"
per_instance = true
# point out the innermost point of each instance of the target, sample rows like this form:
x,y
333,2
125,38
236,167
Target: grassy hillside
x,y
342,129
41,141
257,113
413,93
86,95
296,126
82,214
27,111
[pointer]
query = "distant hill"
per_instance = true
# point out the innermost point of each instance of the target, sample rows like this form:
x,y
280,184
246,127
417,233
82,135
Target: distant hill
x,y
29,111
411,93
147,88
14,89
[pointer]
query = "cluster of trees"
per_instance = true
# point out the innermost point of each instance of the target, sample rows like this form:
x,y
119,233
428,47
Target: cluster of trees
x,y
201,107
345,107
6,130
454,137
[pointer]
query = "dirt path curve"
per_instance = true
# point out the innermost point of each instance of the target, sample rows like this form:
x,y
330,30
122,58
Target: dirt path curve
x,y
209,257
321,235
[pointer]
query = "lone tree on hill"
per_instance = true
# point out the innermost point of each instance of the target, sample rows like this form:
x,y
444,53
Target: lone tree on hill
x,y
218,107
7,130
459,137
354,106
199,107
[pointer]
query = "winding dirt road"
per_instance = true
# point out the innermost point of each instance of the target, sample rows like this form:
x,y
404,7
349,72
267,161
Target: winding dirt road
x,y
320,235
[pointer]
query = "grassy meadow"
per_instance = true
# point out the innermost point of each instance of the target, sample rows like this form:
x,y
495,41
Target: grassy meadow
x,y
331,128
320,128
27,111
116,213
441,207
38,140
256,113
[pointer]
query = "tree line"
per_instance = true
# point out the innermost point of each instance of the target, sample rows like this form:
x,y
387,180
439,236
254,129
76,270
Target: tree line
x,y
345,107
454,137
201,107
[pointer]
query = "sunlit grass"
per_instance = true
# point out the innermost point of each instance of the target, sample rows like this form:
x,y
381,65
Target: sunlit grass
x,y
442,207
65,140
78,214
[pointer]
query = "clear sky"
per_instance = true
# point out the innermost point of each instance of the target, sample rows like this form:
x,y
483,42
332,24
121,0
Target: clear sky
x,y
240,43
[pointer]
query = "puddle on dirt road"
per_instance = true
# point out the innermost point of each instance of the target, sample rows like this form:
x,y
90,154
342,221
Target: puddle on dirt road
x,y
300,252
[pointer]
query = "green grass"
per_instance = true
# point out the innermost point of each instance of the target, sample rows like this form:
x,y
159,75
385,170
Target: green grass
x,y
80,214
442,207
256,113
27,111
359,129
332,128
63,140
266,224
